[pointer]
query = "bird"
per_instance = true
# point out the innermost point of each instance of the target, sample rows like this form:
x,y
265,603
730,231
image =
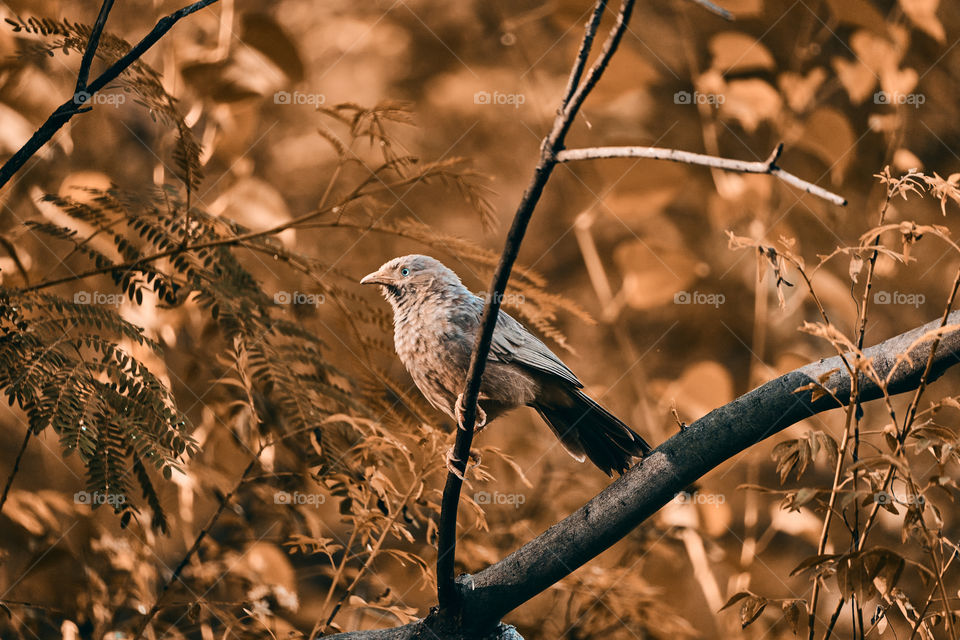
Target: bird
x,y
435,321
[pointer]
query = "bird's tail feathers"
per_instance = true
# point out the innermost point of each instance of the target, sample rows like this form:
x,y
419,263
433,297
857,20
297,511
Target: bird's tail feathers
x,y
587,429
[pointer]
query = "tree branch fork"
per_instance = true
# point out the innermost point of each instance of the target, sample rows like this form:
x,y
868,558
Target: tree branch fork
x,y
552,152
488,595
474,602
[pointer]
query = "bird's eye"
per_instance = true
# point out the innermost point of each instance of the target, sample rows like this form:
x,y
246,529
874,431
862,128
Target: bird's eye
x,y
404,271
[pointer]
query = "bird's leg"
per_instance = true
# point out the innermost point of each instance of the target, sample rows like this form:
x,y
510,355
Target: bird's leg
x,y
459,410
451,459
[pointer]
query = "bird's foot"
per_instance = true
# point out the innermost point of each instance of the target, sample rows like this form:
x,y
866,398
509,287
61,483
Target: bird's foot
x,y
451,461
459,410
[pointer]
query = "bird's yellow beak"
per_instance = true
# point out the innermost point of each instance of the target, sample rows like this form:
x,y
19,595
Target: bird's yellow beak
x,y
377,277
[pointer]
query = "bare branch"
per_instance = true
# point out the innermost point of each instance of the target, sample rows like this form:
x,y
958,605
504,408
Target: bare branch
x,y
71,107
447,531
584,52
768,166
16,467
551,153
191,552
674,465
91,51
714,9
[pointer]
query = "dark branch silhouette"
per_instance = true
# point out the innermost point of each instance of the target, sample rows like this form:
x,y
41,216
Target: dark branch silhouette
x,y
718,436
551,153
85,91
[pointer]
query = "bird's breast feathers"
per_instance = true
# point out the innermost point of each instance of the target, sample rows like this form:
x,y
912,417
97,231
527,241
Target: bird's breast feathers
x,y
433,338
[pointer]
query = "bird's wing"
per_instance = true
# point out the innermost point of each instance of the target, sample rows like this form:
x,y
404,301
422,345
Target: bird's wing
x,y
513,343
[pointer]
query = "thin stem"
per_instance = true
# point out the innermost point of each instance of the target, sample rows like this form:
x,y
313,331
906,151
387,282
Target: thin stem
x,y
831,503
768,166
175,576
374,551
590,31
851,413
926,605
911,411
947,611
834,618
336,580
553,143
70,108
16,467
91,51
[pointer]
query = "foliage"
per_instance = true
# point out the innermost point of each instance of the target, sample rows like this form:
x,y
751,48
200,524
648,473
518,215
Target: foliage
x,y
179,305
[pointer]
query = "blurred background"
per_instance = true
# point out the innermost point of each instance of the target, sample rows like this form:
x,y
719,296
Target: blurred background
x,y
629,275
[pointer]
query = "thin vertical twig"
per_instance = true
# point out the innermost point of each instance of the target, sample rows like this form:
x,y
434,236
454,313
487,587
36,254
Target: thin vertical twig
x,y
16,467
552,144
91,51
852,413
175,576
911,411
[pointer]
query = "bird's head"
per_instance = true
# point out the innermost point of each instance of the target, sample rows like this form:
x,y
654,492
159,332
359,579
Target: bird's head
x,y
414,275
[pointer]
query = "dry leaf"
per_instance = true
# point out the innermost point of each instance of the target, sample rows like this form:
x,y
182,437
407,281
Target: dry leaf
x,y
750,102
860,13
923,14
828,135
857,78
800,90
736,51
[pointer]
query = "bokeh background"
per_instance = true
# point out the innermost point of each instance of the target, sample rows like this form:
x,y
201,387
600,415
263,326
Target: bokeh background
x,y
653,309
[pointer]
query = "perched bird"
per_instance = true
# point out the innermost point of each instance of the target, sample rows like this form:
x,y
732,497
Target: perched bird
x,y
436,319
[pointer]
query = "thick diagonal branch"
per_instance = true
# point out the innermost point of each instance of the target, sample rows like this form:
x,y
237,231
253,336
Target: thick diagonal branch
x,y
552,152
640,492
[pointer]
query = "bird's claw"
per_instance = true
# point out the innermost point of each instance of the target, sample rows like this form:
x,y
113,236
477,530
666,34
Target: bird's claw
x,y
451,461
459,410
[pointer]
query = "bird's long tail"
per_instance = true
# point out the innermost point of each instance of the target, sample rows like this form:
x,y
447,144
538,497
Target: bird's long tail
x,y
587,429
